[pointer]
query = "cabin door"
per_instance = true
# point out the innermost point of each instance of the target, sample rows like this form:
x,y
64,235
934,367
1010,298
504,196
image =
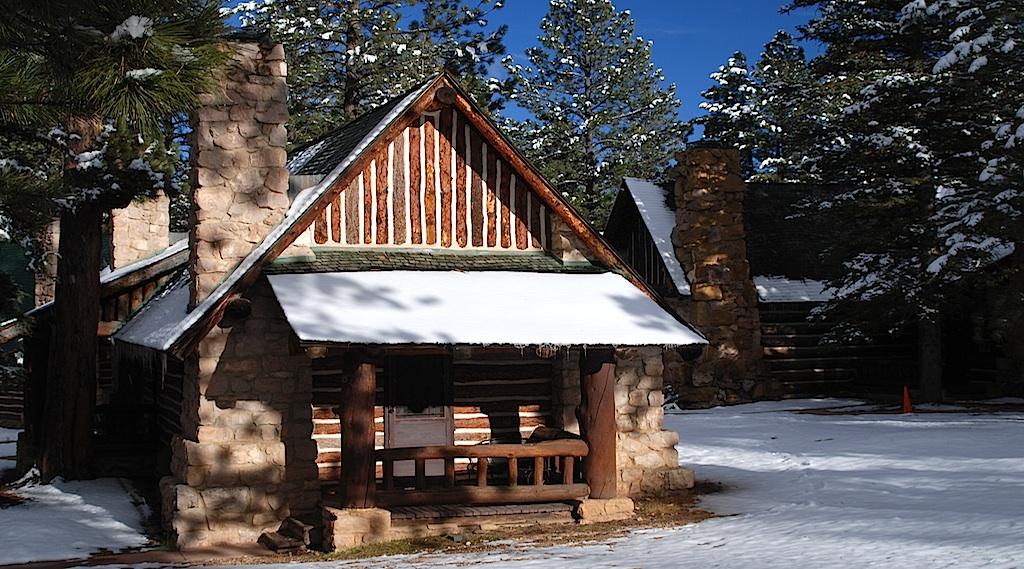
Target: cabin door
x,y
419,410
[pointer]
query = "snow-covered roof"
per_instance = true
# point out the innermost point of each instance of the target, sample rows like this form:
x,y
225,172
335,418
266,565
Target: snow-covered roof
x,y
110,277
156,323
659,220
782,289
475,308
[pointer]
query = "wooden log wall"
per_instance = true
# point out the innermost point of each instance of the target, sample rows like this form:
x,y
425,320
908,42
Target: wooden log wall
x,y
12,404
501,395
438,185
803,365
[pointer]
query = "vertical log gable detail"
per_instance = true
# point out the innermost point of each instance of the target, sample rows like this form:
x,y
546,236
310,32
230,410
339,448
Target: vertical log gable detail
x,y
438,184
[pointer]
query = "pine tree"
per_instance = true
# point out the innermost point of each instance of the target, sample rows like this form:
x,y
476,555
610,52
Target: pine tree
x,y
733,117
787,113
90,89
348,56
923,154
599,107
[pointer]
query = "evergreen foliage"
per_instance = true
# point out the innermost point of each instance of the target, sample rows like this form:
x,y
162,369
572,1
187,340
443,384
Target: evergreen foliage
x,y
733,113
599,107
789,116
348,56
91,92
924,152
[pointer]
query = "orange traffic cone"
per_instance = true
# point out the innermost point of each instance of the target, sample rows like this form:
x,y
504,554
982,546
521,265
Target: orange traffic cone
x,y
907,406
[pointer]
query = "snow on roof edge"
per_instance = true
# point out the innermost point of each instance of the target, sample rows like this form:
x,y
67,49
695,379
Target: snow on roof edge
x,y
783,289
443,307
656,215
298,208
117,274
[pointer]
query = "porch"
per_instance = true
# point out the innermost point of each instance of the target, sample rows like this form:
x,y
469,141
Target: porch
x,y
396,428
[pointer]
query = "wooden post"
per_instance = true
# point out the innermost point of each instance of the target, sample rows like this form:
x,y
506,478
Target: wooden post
x,y
358,468
481,472
597,375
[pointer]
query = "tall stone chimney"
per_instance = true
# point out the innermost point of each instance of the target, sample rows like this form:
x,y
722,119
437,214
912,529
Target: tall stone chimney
x,y
709,238
245,459
140,230
240,182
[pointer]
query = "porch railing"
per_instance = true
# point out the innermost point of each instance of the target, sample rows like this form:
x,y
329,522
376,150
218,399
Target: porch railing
x,y
419,490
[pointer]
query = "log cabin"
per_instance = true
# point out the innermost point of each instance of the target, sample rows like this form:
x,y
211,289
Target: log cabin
x,y
746,263
401,329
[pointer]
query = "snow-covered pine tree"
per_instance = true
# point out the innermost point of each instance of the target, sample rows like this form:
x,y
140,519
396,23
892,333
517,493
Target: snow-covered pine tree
x,y
787,114
95,85
923,156
733,117
600,109
348,56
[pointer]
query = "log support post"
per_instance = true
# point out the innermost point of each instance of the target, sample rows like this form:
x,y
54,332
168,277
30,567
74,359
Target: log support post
x,y
358,467
597,425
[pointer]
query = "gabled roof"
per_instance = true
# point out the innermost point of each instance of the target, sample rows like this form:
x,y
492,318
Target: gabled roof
x,y
345,162
322,156
784,248
659,220
198,321
112,283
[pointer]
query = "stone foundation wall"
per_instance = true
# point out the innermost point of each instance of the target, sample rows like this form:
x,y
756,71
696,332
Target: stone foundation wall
x,y
139,230
646,457
246,459
709,239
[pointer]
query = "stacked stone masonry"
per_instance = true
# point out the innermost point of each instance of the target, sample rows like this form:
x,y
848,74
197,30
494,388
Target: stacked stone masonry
x,y
245,459
240,178
646,457
139,230
710,242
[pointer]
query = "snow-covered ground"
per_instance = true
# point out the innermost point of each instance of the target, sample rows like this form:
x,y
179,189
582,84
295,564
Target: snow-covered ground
x,y
70,520
929,490
800,490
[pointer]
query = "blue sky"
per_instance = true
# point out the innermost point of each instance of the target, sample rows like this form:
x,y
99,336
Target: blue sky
x,y
691,37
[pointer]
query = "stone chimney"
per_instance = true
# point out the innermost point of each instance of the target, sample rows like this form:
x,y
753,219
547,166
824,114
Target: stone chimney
x,y
245,459
140,230
709,238
240,182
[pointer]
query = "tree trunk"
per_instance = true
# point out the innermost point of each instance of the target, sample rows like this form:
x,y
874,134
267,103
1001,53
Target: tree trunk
x,y
353,76
71,371
930,343
71,377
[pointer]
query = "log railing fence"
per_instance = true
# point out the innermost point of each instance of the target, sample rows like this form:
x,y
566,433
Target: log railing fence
x,y
564,453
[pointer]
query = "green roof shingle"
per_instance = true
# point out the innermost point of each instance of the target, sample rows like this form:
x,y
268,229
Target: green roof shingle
x,y
350,260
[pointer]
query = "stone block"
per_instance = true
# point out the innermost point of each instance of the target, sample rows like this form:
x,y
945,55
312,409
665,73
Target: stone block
x,y
590,511
350,527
